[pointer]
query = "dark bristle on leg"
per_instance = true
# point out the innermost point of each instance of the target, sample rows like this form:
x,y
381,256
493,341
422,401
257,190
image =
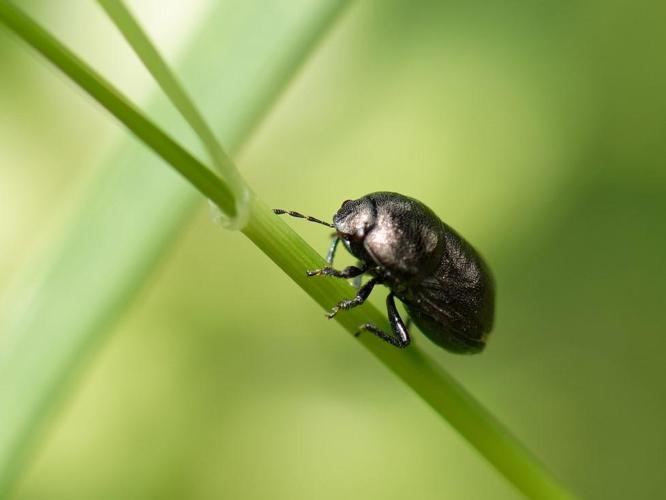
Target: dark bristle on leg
x,y
298,215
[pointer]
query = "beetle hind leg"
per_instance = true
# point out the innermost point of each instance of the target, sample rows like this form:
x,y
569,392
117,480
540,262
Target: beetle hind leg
x,y
401,339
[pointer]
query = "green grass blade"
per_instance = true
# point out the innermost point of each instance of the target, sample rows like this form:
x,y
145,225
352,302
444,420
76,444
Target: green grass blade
x,y
132,214
109,97
168,82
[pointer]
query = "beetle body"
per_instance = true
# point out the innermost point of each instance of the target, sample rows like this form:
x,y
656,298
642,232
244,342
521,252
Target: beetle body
x,y
444,283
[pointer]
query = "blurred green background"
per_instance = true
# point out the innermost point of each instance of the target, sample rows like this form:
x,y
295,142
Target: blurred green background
x,y
535,129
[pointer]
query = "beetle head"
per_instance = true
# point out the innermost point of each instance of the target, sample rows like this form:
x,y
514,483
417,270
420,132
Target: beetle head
x,y
355,219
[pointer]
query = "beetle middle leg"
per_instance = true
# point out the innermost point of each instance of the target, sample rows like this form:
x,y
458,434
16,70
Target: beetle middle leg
x,y
399,328
362,294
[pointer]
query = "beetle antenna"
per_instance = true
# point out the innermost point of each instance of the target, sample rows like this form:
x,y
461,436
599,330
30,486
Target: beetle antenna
x,y
279,211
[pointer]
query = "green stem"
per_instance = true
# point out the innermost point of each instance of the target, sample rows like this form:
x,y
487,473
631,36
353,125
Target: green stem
x,y
118,105
293,255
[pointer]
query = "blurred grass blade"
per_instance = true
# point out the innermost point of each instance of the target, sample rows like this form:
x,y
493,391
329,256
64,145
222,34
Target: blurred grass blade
x,y
109,97
168,82
133,212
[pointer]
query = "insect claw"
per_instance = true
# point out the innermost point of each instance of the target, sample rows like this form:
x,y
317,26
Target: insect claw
x,y
333,312
314,272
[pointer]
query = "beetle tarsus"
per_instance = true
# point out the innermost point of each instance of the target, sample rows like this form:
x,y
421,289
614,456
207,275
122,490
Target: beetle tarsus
x,y
378,332
332,312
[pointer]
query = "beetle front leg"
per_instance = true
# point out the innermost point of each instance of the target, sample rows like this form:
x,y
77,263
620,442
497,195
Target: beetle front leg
x,y
397,325
362,294
331,250
347,272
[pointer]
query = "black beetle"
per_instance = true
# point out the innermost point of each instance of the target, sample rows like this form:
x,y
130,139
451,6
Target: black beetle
x,y
444,283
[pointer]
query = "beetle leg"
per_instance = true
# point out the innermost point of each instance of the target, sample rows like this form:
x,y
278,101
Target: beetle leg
x,y
362,294
357,279
347,272
331,250
397,325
